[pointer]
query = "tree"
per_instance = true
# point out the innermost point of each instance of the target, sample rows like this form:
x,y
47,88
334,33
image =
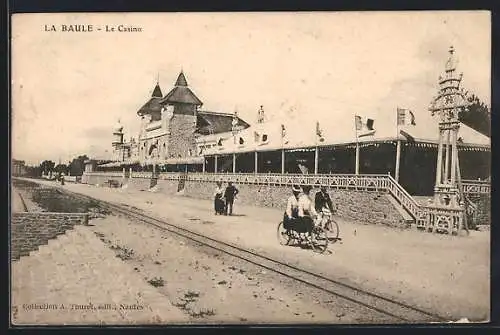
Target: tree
x,y
33,171
61,168
47,166
476,115
77,165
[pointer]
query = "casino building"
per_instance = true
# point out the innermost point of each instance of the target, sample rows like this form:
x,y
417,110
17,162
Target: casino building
x,y
177,135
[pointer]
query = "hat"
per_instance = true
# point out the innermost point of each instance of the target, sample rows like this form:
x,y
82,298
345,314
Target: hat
x,y
296,188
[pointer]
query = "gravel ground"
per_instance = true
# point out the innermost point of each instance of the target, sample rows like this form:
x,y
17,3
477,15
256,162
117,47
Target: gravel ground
x,y
445,274
211,287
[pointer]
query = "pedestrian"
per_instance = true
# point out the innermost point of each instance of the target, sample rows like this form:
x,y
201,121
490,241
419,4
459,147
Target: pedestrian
x,y
230,194
323,201
218,202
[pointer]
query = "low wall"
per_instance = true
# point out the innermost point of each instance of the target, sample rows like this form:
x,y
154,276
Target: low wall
x,y
101,180
30,230
358,206
139,184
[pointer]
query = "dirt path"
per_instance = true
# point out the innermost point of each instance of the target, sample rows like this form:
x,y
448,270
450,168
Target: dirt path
x,y
446,274
211,287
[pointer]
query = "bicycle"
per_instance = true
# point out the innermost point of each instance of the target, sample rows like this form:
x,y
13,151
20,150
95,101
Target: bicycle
x,y
328,223
318,240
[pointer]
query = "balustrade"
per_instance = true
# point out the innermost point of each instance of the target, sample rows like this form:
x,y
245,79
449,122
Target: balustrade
x,y
426,217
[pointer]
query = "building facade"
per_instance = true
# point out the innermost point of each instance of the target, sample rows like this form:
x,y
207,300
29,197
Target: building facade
x,y
174,130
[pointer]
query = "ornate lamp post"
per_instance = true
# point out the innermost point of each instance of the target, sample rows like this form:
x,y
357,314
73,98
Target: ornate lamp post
x,y
451,99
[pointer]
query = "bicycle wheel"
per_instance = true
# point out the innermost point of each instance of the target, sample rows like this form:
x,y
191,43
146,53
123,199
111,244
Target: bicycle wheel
x,y
283,235
319,240
332,230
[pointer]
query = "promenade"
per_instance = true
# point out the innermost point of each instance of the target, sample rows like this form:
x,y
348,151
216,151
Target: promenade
x,y
76,279
446,274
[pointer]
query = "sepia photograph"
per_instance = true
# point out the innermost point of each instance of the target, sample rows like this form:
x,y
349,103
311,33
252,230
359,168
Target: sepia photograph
x,y
250,168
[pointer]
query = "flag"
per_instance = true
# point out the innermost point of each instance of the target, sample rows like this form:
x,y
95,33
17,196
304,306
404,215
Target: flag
x,y
256,136
364,126
358,122
283,134
405,117
319,132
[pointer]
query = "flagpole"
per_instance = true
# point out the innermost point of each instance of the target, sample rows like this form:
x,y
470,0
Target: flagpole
x,y
398,147
357,145
316,150
282,150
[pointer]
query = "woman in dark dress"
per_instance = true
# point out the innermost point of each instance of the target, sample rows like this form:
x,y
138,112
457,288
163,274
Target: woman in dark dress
x,y
218,201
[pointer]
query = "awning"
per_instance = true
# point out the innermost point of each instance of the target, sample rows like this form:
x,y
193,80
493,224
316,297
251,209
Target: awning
x,y
185,160
112,164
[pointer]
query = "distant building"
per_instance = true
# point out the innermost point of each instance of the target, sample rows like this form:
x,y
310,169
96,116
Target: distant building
x,y
18,168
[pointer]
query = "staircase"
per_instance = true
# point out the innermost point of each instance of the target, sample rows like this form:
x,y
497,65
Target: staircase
x,y
403,198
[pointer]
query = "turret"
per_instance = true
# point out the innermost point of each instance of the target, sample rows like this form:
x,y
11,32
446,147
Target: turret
x,y
118,134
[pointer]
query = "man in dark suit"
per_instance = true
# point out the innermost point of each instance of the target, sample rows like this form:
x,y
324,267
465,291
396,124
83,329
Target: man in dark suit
x,y
230,194
323,200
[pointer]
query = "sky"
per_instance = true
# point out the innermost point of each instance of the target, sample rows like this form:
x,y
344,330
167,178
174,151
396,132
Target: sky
x,y
69,89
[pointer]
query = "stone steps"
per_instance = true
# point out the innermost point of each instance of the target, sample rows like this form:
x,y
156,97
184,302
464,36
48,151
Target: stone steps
x,y
78,268
407,218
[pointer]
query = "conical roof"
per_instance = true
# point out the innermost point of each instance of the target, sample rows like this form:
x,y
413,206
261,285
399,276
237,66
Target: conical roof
x,y
181,80
153,104
157,91
181,93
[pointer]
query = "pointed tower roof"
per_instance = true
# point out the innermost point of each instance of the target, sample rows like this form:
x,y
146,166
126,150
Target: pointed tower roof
x,y
181,93
181,80
153,104
157,91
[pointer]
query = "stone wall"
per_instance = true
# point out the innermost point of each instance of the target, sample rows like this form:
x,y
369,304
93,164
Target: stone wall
x,y
31,230
181,138
99,180
356,206
167,187
140,184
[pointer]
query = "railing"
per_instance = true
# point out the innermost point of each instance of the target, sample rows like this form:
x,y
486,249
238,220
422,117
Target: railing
x,y
476,187
346,181
427,217
405,199
104,174
437,219
141,174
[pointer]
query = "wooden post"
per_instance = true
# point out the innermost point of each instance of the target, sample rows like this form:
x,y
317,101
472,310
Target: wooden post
x,y
234,163
123,173
255,163
282,161
316,159
215,164
357,158
203,168
398,158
